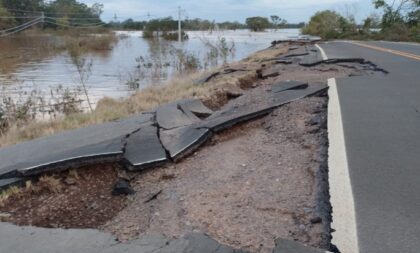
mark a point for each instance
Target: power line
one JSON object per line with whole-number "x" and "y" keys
{"x": 22, "y": 25}
{"x": 50, "y": 13}
{"x": 23, "y": 11}
{"x": 26, "y": 17}
{"x": 60, "y": 21}
{"x": 21, "y": 29}
{"x": 71, "y": 26}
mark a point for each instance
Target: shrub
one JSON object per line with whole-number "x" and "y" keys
{"x": 257, "y": 24}
{"x": 325, "y": 24}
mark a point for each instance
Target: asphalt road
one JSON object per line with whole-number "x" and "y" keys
{"x": 381, "y": 123}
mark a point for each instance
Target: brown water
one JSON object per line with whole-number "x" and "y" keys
{"x": 31, "y": 63}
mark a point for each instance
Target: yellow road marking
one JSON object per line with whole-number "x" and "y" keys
{"x": 396, "y": 52}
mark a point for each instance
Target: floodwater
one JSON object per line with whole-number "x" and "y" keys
{"x": 28, "y": 64}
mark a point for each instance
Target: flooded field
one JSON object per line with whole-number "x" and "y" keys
{"x": 32, "y": 64}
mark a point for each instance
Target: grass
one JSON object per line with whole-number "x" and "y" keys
{"x": 46, "y": 183}
{"x": 266, "y": 54}
{"x": 6, "y": 194}
{"x": 211, "y": 93}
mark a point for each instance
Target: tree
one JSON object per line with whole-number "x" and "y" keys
{"x": 6, "y": 23}
{"x": 75, "y": 13}
{"x": 372, "y": 21}
{"x": 257, "y": 24}
{"x": 28, "y": 8}
{"x": 398, "y": 12}
{"x": 326, "y": 24}
{"x": 277, "y": 22}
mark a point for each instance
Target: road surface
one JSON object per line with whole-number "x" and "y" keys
{"x": 381, "y": 128}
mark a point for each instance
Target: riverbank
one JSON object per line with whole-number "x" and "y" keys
{"x": 180, "y": 87}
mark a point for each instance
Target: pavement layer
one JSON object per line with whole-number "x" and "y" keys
{"x": 63, "y": 150}
{"x": 41, "y": 240}
{"x": 381, "y": 121}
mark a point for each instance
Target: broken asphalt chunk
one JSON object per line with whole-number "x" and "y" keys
{"x": 196, "y": 107}
{"x": 284, "y": 61}
{"x": 182, "y": 141}
{"x": 314, "y": 62}
{"x": 231, "y": 116}
{"x": 122, "y": 187}
{"x": 285, "y": 97}
{"x": 6, "y": 183}
{"x": 171, "y": 116}
{"x": 288, "y": 85}
{"x": 312, "y": 59}
{"x": 144, "y": 150}
{"x": 71, "y": 148}
{"x": 206, "y": 78}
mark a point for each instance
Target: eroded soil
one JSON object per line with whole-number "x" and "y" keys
{"x": 80, "y": 199}
{"x": 252, "y": 184}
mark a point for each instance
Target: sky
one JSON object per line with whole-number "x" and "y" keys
{"x": 293, "y": 11}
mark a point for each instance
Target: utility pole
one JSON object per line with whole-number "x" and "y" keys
{"x": 179, "y": 25}
{"x": 43, "y": 20}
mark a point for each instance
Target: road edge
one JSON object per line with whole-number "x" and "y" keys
{"x": 343, "y": 214}
{"x": 341, "y": 195}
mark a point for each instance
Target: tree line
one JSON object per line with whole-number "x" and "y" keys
{"x": 168, "y": 23}
{"x": 400, "y": 21}
{"x": 59, "y": 12}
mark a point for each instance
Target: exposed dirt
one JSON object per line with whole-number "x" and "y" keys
{"x": 68, "y": 200}
{"x": 254, "y": 183}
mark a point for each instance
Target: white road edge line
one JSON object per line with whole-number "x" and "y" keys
{"x": 323, "y": 54}
{"x": 341, "y": 194}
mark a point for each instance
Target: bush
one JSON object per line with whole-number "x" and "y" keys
{"x": 174, "y": 36}
{"x": 257, "y": 24}
{"x": 415, "y": 33}
{"x": 325, "y": 24}
{"x": 397, "y": 32}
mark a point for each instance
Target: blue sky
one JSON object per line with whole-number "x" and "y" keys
{"x": 231, "y": 10}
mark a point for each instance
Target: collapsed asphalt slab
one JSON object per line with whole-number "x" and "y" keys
{"x": 168, "y": 133}
{"x": 181, "y": 141}
{"x": 144, "y": 149}
{"x": 288, "y": 85}
{"x": 59, "y": 151}
{"x": 41, "y": 240}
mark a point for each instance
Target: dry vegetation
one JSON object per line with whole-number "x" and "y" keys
{"x": 177, "y": 88}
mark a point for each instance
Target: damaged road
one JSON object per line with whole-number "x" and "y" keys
{"x": 137, "y": 140}
{"x": 253, "y": 183}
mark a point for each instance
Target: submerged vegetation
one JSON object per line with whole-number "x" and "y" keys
{"x": 107, "y": 109}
